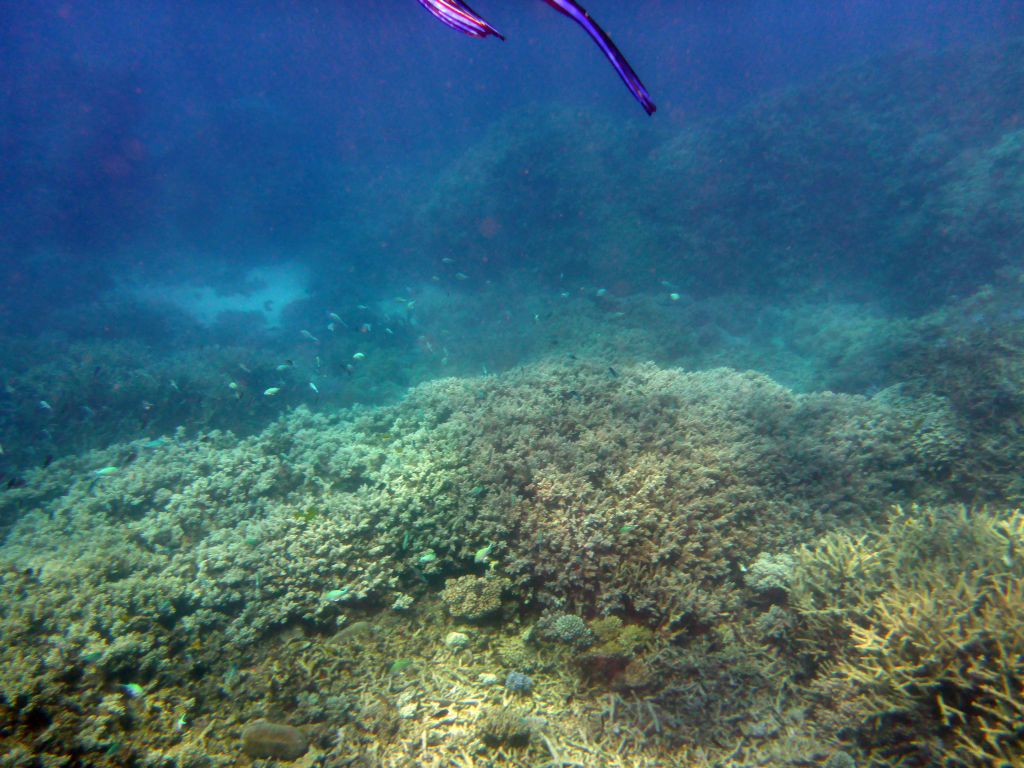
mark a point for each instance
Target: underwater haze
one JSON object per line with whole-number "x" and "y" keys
{"x": 410, "y": 384}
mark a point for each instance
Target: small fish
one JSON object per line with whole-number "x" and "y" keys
{"x": 244, "y": 368}
{"x": 307, "y": 335}
{"x": 601, "y": 292}
{"x": 317, "y": 362}
{"x": 132, "y": 690}
{"x": 483, "y": 554}
{"x": 674, "y": 296}
{"x": 358, "y": 356}
{"x": 45, "y": 406}
{"x": 285, "y": 365}
{"x": 335, "y": 317}
{"x": 389, "y": 332}
{"x": 461, "y": 276}
{"x": 105, "y": 471}
{"x": 365, "y": 328}
{"x": 447, "y": 260}
{"x": 314, "y": 388}
{"x": 330, "y": 327}
{"x": 271, "y": 391}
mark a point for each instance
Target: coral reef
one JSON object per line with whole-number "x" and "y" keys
{"x": 924, "y": 624}
{"x": 561, "y": 485}
{"x": 895, "y": 171}
{"x": 228, "y": 545}
{"x": 311, "y": 573}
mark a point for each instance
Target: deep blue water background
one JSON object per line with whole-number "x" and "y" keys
{"x": 330, "y": 202}
{"x": 160, "y": 136}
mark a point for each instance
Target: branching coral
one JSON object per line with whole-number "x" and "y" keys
{"x": 927, "y": 623}
{"x": 638, "y": 493}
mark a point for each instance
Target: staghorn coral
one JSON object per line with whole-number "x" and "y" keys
{"x": 926, "y": 623}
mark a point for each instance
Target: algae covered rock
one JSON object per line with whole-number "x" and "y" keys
{"x": 456, "y": 640}
{"x": 378, "y": 716}
{"x": 517, "y": 682}
{"x": 262, "y": 739}
{"x": 472, "y": 598}
{"x": 618, "y": 644}
{"x": 840, "y": 760}
{"x": 515, "y": 653}
{"x": 503, "y": 727}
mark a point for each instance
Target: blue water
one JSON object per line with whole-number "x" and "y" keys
{"x": 326, "y": 331}
{"x": 191, "y": 180}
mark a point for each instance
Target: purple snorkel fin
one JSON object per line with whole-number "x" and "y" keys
{"x": 573, "y": 10}
{"x": 462, "y": 18}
